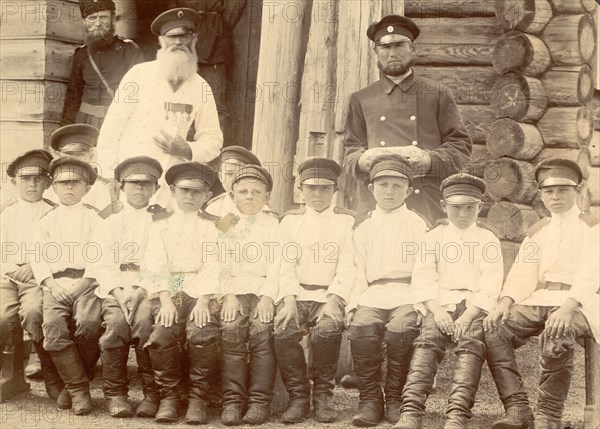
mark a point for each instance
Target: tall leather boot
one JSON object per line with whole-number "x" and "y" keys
{"x": 71, "y": 370}
{"x": 399, "y": 353}
{"x": 90, "y": 354}
{"x": 367, "y": 358}
{"x": 292, "y": 366}
{"x": 202, "y": 363}
{"x": 52, "y": 380}
{"x": 167, "y": 375}
{"x": 417, "y": 388}
{"x": 261, "y": 378}
{"x": 114, "y": 381}
{"x": 555, "y": 381}
{"x": 465, "y": 381}
{"x": 235, "y": 370}
{"x": 149, "y": 405}
{"x": 325, "y": 355}
{"x": 502, "y": 362}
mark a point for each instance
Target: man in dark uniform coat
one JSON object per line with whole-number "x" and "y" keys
{"x": 91, "y": 91}
{"x": 217, "y": 19}
{"x": 408, "y": 115}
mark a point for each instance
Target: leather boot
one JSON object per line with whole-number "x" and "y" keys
{"x": 167, "y": 375}
{"x": 202, "y": 362}
{"x": 261, "y": 378}
{"x": 366, "y": 354}
{"x": 555, "y": 381}
{"x": 71, "y": 370}
{"x": 114, "y": 381}
{"x": 149, "y": 405}
{"x": 502, "y": 362}
{"x": 52, "y": 380}
{"x": 456, "y": 422}
{"x": 90, "y": 354}
{"x": 235, "y": 370}
{"x": 325, "y": 355}
{"x": 545, "y": 422}
{"x": 292, "y": 366}
{"x": 399, "y": 352}
{"x": 419, "y": 381}
{"x": 465, "y": 381}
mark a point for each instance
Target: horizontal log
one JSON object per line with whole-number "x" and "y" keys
{"x": 514, "y": 139}
{"x": 571, "y": 39}
{"x": 566, "y": 127}
{"x": 594, "y": 147}
{"x": 572, "y": 6}
{"x": 581, "y": 157}
{"x": 521, "y": 98}
{"x": 510, "y": 179}
{"x": 469, "y": 85}
{"x": 479, "y": 120}
{"x": 529, "y": 16}
{"x": 510, "y": 221}
{"x": 36, "y": 59}
{"x": 448, "y": 8}
{"x": 594, "y": 185}
{"x": 569, "y": 85}
{"x": 32, "y": 100}
{"x": 443, "y": 42}
{"x": 20, "y": 136}
{"x": 57, "y": 19}
{"x": 522, "y": 53}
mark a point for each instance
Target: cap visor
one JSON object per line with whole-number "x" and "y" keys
{"x": 557, "y": 181}
{"x": 389, "y": 173}
{"x": 461, "y": 199}
{"x": 392, "y": 38}
{"x": 64, "y": 176}
{"x": 140, "y": 177}
{"x": 178, "y": 31}
{"x": 318, "y": 181}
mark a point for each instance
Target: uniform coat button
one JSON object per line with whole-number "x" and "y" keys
{"x": 382, "y": 143}
{"x": 414, "y": 142}
{"x": 417, "y": 191}
{"x": 412, "y": 118}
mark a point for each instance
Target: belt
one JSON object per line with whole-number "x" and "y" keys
{"x": 552, "y": 286}
{"x": 129, "y": 267}
{"x": 385, "y": 281}
{"x": 69, "y": 273}
{"x": 90, "y": 109}
{"x": 313, "y": 287}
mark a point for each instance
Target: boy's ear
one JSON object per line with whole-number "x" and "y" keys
{"x": 443, "y": 205}
{"x": 172, "y": 188}
{"x": 370, "y": 187}
{"x": 156, "y": 188}
{"x": 209, "y": 195}
{"x": 268, "y": 195}
{"x": 409, "y": 191}
{"x": 13, "y": 181}
{"x": 578, "y": 188}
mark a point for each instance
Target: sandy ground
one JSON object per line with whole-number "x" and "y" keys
{"x": 34, "y": 410}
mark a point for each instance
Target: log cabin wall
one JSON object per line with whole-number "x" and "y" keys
{"x": 37, "y": 40}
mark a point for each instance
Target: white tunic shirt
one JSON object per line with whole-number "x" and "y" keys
{"x": 564, "y": 250}
{"x": 317, "y": 255}
{"x": 64, "y": 235}
{"x": 248, "y": 255}
{"x": 181, "y": 255}
{"x": 144, "y": 105}
{"x": 385, "y": 247}
{"x": 123, "y": 238}
{"x": 19, "y": 222}
{"x": 459, "y": 264}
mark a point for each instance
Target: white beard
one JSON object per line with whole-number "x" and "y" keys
{"x": 176, "y": 66}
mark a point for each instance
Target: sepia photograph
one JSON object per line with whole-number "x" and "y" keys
{"x": 300, "y": 213}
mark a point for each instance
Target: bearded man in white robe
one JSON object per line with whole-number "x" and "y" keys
{"x": 159, "y": 102}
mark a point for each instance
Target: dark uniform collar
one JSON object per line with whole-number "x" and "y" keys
{"x": 388, "y": 84}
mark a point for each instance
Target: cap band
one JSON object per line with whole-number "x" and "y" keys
{"x": 69, "y": 172}
{"x": 557, "y": 181}
{"x": 191, "y": 183}
{"x": 319, "y": 181}
{"x": 462, "y": 199}
{"x": 31, "y": 170}
{"x": 393, "y": 38}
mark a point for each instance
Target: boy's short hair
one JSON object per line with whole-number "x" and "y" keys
{"x": 462, "y": 188}
{"x": 558, "y": 171}
{"x": 391, "y": 165}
